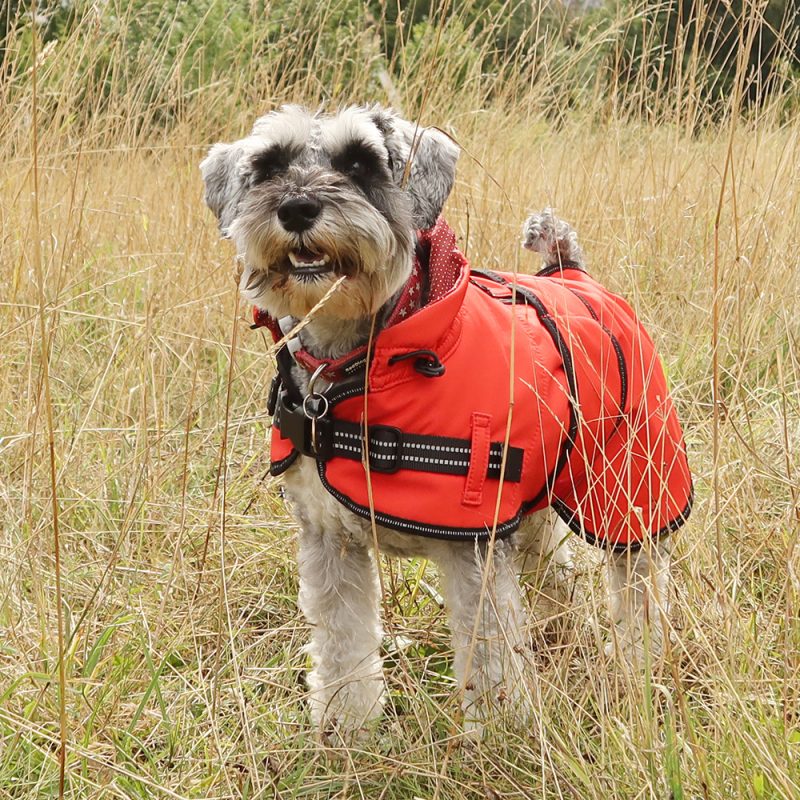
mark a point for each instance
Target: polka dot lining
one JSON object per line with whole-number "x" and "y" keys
{"x": 444, "y": 263}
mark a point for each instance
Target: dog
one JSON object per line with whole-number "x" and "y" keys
{"x": 338, "y": 216}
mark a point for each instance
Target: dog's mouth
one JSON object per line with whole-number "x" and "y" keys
{"x": 305, "y": 264}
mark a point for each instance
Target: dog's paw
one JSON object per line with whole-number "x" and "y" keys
{"x": 336, "y": 735}
{"x": 346, "y": 713}
{"x": 500, "y": 709}
{"x": 555, "y": 240}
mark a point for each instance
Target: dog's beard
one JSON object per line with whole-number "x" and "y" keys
{"x": 287, "y": 274}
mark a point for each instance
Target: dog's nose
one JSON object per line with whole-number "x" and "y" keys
{"x": 297, "y": 214}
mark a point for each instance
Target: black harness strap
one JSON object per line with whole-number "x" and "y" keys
{"x": 390, "y": 449}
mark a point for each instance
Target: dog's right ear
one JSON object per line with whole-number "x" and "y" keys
{"x": 226, "y": 180}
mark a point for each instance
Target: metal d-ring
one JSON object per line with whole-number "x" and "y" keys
{"x": 313, "y": 379}
{"x": 311, "y": 413}
{"x": 319, "y": 399}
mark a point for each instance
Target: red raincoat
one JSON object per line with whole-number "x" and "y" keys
{"x": 592, "y": 430}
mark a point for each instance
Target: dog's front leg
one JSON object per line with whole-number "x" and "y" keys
{"x": 488, "y": 629}
{"x": 638, "y": 585}
{"x": 340, "y": 597}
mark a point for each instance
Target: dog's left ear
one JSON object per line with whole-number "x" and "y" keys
{"x": 225, "y": 182}
{"x": 433, "y": 157}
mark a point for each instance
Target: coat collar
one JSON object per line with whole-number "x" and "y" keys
{"x": 438, "y": 279}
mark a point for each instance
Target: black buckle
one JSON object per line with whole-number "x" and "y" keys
{"x": 312, "y": 438}
{"x": 272, "y": 397}
{"x": 380, "y": 461}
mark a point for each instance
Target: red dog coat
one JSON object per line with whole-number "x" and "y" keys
{"x": 555, "y": 362}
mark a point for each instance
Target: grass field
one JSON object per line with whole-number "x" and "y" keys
{"x": 133, "y": 387}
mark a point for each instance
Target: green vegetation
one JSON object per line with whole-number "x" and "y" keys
{"x": 644, "y": 56}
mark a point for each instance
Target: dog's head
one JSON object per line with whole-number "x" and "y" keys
{"x": 309, "y": 197}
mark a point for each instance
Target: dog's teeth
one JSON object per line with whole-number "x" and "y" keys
{"x": 303, "y": 263}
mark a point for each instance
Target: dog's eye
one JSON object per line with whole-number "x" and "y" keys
{"x": 358, "y": 161}
{"x": 269, "y": 164}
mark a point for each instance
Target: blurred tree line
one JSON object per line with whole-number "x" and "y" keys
{"x": 646, "y": 46}
{"x": 714, "y": 42}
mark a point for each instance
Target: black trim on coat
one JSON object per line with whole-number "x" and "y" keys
{"x": 418, "y": 528}
{"x": 554, "y": 269}
{"x": 281, "y": 465}
{"x": 572, "y": 520}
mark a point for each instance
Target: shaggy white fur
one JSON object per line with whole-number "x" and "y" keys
{"x": 339, "y": 595}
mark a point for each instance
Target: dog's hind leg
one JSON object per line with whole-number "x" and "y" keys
{"x": 545, "y": 560}
{"x": 638, "y": 586}
{"x": 340, "y": 597}
{"x": 488, "y": 629}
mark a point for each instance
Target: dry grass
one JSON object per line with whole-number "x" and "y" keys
{"x": 182, "y": 642}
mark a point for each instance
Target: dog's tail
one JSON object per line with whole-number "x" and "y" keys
{"x": 555, "y": 240}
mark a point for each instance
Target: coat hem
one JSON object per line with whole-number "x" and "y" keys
{"x": 418, "y": 528}
{"x": 279, "y": 467}
{"x": 572, "y": 520}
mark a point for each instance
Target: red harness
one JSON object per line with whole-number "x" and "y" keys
{"x": 592, "y": 430}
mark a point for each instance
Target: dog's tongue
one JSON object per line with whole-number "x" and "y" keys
{"x": 305, "y": 256}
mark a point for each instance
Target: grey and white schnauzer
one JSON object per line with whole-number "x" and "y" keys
{"x": 308, "y": 198}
